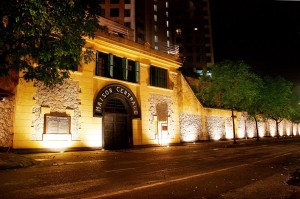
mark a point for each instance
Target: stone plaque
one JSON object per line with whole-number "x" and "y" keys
{"x": 57, "y": 123}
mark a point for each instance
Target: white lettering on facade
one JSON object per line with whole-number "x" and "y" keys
{"x": 116, "y": 89}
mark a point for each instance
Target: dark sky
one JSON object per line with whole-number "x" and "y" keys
{"x": 264, "y": 33}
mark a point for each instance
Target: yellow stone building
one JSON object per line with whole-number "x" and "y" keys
{"x": 129, "y": 95}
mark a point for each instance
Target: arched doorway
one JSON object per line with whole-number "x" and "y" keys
{"x": 117, "y": 124}
{"x": 117, "y": 105}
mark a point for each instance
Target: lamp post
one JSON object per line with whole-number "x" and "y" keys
{"x": 233, "y": 126}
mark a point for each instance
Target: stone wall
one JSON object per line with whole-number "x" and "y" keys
{"x": 161, "y": 106}
{"x": 61, "y": 99}
{"x": 6, "y": 122}
{"x": 190, "y": 127}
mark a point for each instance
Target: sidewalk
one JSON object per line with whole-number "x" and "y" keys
{"x": 13, "y": 160}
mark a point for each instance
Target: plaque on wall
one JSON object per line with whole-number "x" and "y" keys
{"x": 57, "y": 123}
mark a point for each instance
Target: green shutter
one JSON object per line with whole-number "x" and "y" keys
{"x": 111, "y": 65}
{"x": 97, "y": 64}
{"x": 125, "y": 69}
{"x": 137, "y": 72}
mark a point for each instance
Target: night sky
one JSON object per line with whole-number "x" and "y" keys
{"x": 264, "y": 33}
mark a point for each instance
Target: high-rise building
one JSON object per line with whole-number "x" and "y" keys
{"x": 122, "y": 12}
{"x": 191, "y": 27}
{"x": 153, "y": 25}
{"x": 172, "y": 26}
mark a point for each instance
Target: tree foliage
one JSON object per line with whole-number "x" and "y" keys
{"x": 277, "y": 98}
{"x": 232, "y": 86}
{"x": 45, "y": 38}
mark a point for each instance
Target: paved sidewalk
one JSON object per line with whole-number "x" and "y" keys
{"x": 15, "y": 159}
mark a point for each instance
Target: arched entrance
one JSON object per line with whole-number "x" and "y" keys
{"x": 117, "y": 125}
{"x": 117, "y": 106}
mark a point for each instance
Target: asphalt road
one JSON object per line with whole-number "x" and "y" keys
{"x": 192, "y": 171}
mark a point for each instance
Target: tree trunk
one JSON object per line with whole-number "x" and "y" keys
{"x": 257, "y": 135}
{"x": 277, "y": 131}
{"x": 233, "y": 126}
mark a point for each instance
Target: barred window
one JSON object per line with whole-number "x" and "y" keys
{"x": 158, "y": 77}
{"x": 111, "y": 66}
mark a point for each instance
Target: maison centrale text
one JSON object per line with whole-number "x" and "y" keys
{"x": 116, "y": 91}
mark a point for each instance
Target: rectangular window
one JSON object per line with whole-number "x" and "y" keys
{"x": 102, "y": 64}
{"x": 127, "y": 2}
{"x": 132, "y": 71}
{"x": 114, "y": 1}
{"x": 127, "y": 13}
{"x": 117, "y": 65}
{"x": 108, "y": 65}
{"x": 114, "y": 12}
{"x": 158, "y": 77}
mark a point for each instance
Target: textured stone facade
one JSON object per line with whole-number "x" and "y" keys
{"x": 215, "y": 127}
{"x": 59, "y": 99}
{"x": 190, "y": 127}
{"x": 6, "y": 122}
{"x": 161, "y": 106}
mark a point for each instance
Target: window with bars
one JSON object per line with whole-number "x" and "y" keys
{"x": 115, "y": 106}
{"x": 158, "y": 77}
{"x": 111, "y": 66}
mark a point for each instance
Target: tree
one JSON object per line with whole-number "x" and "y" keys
{"x": 295, "y": 103}
{"x": 255, "y": 107}
{"x": 232, "y": 86}
{"x": 276, "y": 100}
{"x": 45, "y": 38}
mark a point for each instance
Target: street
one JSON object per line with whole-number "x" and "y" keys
{"x": 190, "y": 171}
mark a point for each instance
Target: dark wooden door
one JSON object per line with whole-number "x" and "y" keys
{"x": 117, "y": 131}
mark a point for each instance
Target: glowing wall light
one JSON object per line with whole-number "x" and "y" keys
{"x": 280, "y": 128}
{"x": 261, "y": 129}
{"x": 272, "y": 127}
{"x": 215, "y": 127}
{"x": 217, "y": 136}
{"x": 241, "y": 128}
{"x": 94, "y": 141}
{"x": 56, "y": 142}
{"x": 190, "y": 135}
{"x": 250, "y": 128}
{"x": 228, "y": 129}
{"x": 190, "y": 126}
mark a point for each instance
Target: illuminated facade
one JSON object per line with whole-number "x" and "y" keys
{"x": 129, "y": 95}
